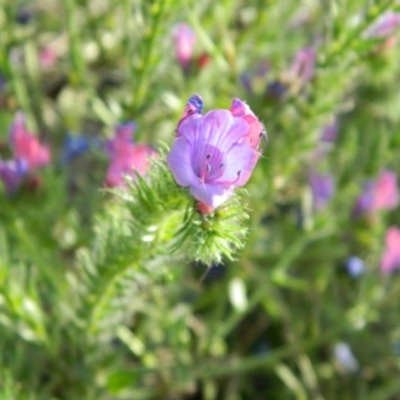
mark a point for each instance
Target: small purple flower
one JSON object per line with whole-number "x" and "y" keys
{"x": 2, "y": 82}
{"x": 391, "y": 257}
{"x": 379, "y": 194}
{"x": 211, "y": 155}
{"x": 12, "y": 173}
{"x": 329, "y": 132}
{"x": 383, "y": 26}
{"x": 24, "y": 15}
{"x": 322, "y": 188}
{"x": 250, "y": 78}
{"x": 303, "y": 64}
{"x": 345, "y": 357}
{"x": 355, "y": 266}
{"x": 74, "y": 146}
{"x": 185, "y": 39}
{"x": 276, "y": 90}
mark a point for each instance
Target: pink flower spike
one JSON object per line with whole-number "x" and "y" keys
{"x": 185, "y": 39}
{"x": 391, "y": 257}
{"x": 26, "y": 145}
{"x": 303, "y": 64}
{"x": 240, "y": 109}
{"x": 123, "y": 134}
{"x": 129, "y": 159}
{"x": 211, "y": 157}
{"x": 386, "y": 194}
{"x": 383, "y": 26}
{"x": 379, "y": 194}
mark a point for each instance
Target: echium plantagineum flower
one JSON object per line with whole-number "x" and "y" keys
{"x": 378, "y": 194}
{"x": 214, "y": 153}
{"x": 303, "y": 66}
{"x": 185, "y": 39}
{"x": 384, "y": 25}
{"x": 126, "y": 157}
{"x": 391, "y": 257}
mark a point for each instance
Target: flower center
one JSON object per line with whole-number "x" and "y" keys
{"x": 211, "y": 171}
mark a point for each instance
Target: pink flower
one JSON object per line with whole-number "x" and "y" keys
{"x": 26, "y": 146}
{"x": 185, "y": 39}
{"x": 123, "y": 136}
{"x": 391, "y": 257}
{"x": 126, "y": 157}
{"x": 213, "y": 153}
{"x": 47, "y": 57}
{"x": 303, "y": 64}
{"x": 379, "y": 194}
{"x": 256, "y": 132}
{"x": 383, "y": 26}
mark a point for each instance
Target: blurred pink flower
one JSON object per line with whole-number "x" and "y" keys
{"x": 185, "y": 39}
{"x": 26, "y": 146}
{"x": 384, "y": 25}
{"x": 379, "y": 194}
{"x": 47, "y": 57}
{"x": 304, "y": 64}
{"x": 391, "y": 257}
{"x": 126, "y": 157}
{"x": 122, "y": 136}
{"x": 212, "y": 154}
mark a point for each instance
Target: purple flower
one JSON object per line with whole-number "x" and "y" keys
{"x": 391, "y": 257}
{"x": 383, "y": 26}
{"x": 345, "y": 357}
{"x": 74, "y": 146}
{"x": 322, "y": 188}
{"x": 276, "y": 90}
{"x": 212, "y": 154}
{"x": 355, "y": 266}
{"x": 379, "y": 194}
{"x": 254, "y": 76}
{"x": 329, "y": 132}
{"x": 12, "y": 173}
{"x": 185, "y": 39}
{"x": 303, "y": 64}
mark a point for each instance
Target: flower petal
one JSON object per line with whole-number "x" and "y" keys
{"x": 179, "y": 161}
{"x": 212, "y": 195}
{"x": 241, "y": 157}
